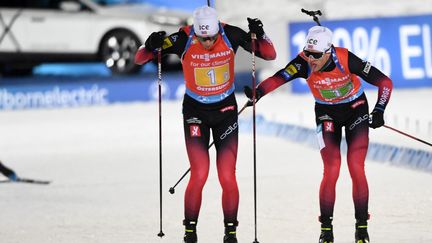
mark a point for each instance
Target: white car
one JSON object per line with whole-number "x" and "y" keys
{"x": 40, "y": 31}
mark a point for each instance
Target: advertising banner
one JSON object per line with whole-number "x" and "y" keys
{"x": 69, "y": 91}
{"x": 75, "y": 92}
{"x": 399, "y": 46}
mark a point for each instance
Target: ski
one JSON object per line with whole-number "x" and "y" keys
{"x": 27, "y": 180}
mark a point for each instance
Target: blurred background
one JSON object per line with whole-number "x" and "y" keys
{"x": 69, "y": 53}
{"x": 76, "y": 110}
{"x": 92, "y": 42}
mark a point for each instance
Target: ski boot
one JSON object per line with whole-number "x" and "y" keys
{"x": 190, "y": 232}
{"x": 230, "y": 232}
{"x": 326, "y": 235}
{"x": 361, "y": 233}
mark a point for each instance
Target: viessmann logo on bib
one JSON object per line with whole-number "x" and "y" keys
{"x": 207, "y": 56}
{"x": 329, "y": 81}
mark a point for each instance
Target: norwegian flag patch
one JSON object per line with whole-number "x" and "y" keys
{"x": 328, "y": 126}
{"x": 195, "y": 131}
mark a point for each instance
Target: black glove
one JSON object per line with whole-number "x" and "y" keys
{"x": 9, "y": 173}
{"x": 249, "y": 93}
{"x": 256, "y": 26}
{"x": 155, "y": 40}
{"x": 376, "y": 119}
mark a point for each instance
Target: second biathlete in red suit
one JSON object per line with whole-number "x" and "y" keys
{"x": 210, "y": 105}
{"x": 339, "y": 103}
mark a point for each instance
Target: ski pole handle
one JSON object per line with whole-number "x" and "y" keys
{"x": 254, "y": 38}
{"x": 159, "y": 65}
{"x": 313, "y": 14}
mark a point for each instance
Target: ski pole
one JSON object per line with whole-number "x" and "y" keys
{"x": 27, "y": 180}
{"x": 410, "y": 136}
{"x": 159, "y": 58}
{"x": 253, "y": 37}
{"x": 172, "y": 189}
{"x": 313, "y": 14}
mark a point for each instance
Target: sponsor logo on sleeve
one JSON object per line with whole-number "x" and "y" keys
{"x": 173, "y": 38}
{"x": 291, "y": 70}
{"x": 167, "y": 43}
{"x": 367, "y": 68}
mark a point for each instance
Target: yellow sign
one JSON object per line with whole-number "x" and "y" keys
{"x": 212, "y": 76}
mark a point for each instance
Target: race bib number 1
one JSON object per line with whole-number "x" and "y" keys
{"x": 212, "y": 76}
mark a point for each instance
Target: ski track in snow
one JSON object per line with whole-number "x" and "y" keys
{"x": 104, "y": 162}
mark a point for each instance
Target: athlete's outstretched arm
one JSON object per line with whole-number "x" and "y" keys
{"x": 296, "y": 68}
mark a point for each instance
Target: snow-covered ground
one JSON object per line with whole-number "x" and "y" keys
{"x": 104, "y": 162}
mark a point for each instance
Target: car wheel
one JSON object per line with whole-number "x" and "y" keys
{"x": 171, "y": 63}
{"x": 118, "y": 50}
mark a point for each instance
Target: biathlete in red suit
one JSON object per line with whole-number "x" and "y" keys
{"x": 207, "y": 50}
{"x": 332, "y": 75}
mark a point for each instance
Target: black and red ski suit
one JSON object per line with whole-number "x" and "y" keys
{"x": 339, "y": 102}
{"x": 210, "y": 105}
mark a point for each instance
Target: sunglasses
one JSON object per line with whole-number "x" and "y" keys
{"x": 204, "y": 39}
{"x": 314, "y": 55}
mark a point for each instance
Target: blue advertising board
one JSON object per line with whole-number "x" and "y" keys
{"x": 44, "y": 91}
{"x": 62, "y": 92}
{"x": 399, "y": 46}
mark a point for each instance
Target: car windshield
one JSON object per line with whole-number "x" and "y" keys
{"x": 116, "y": 2}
